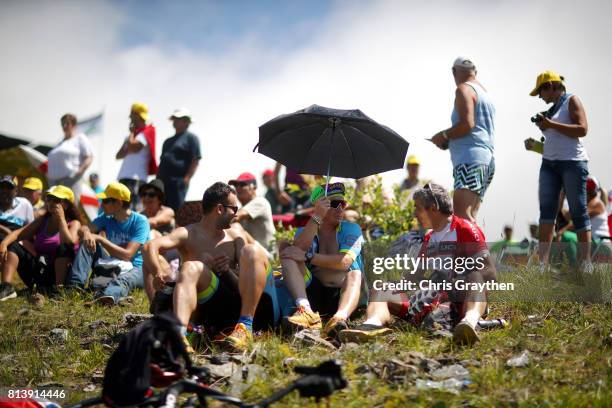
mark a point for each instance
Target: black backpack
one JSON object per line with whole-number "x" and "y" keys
{"x": 155, "y": 343}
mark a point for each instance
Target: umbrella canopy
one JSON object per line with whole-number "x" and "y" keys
{"x": 336, "y": 142}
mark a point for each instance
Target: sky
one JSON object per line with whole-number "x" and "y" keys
{"x": 237, "y": 64}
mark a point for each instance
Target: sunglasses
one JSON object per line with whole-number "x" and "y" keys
{"x": 337, "y": 204}
{"x": 428, "y": 187}
{"x": 108, "y": 200}
{"x": 150, "y": 194}
{"x": 234, "y": 208}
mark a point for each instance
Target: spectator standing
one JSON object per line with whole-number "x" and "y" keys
{"x": 68, "y": 161}
{"x": 179, "y": 159}
{"x": 564, "y": 164}
{"x": 137, "y": 152}
{"x": 412, "y": 182}
{"x": 470, "y": 140}
{"x": 94, "y": 183}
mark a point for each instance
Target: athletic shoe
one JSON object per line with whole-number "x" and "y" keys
{"x": 7, "y": 291}
{"x": 240, "y": 338}
{"x": 105, "y": 300}
{"x": 363, "y": 333}
{"x": 333, "y": 327}
{"x": 305, "y": 319}
{"x": 465, "y": 334}
{"x": 187, "y": 345}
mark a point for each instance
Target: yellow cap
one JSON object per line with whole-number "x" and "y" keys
{"x": 544, "y": 78}
{"x": 412, "y": 159}
{"x": 141, "y": 110}
{"x": 117, "y": 191}
{"x": 62, "y": 192}
{"x": 33, "y": 183}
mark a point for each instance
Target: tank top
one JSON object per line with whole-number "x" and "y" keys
{"x": 558, "y": 146}
{"x": 599, "y": 225}
{"x": 47, "y": 245}
{"x": 476, "y": 147}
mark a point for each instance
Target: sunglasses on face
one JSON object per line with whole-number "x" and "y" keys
{"x": 150, "y": 194}
{"x": 108, "y": 200}
{"x": 234, "y": 208}
{"x": 337, "y": 204}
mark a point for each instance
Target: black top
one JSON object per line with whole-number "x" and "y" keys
{"x": 177, "y": 154}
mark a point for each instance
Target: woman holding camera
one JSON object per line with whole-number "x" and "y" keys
{"x": 564, "y": 163}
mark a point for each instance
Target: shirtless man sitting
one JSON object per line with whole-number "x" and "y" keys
{"x": 322, "y": 269}
{"x": 221, "y": 275}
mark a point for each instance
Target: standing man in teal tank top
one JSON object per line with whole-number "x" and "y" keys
{"x": 470, "y": 140}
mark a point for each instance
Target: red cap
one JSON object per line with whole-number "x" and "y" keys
{"x": 243, "y": 178}
{"x": 592, "y": 184}
{"x": 268, "y": 172}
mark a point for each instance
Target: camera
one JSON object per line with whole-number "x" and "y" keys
{"x": 537, "y": 117}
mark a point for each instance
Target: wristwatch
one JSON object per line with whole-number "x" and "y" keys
{"x": 308, "y": 256}
{"x": 316, "y": 219}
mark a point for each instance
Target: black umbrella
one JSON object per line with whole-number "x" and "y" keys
{"x": 336, "y": 142}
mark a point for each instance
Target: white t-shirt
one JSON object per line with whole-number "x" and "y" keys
{"x": 135, "y": 166}
{"x": 260, "y": 225}
{"x": 19, "y": 214}
{"x": 66, "y": 158}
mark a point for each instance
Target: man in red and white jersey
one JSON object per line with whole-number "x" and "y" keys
{"x": 454, "y": 255}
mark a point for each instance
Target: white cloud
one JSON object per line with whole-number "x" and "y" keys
{"x": 390, "y": 59}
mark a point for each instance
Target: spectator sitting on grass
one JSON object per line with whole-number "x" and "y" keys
{"x": 322, "y": 269}
{"x": 114, "y": 238}
{"x": 256, "y": 213}
{"x": 160, "y": 217}
{"x": 451, "y": 237}
{"x": 222, "y": 278}
{"x": 55, "y": 236}
{"x": 32, "y": 190}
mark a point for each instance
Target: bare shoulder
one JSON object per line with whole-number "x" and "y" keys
{"x": 465, "y": 90}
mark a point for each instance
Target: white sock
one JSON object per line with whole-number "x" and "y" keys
{"x": 304, "y": 303}
{"x": 472, "y": 317}
{"x": 341, "y": 314}
{"x": 375, "y": 321}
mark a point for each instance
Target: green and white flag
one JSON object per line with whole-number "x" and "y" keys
{"x": 91, "y": 126}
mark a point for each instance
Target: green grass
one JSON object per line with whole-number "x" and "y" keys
{"x": 570, "y": 343}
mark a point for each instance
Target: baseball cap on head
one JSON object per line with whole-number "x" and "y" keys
{"x": 245, "y": 177}
{"x": 117, "y": 191}
{"x": 156, "y": 184}
{"x": 33, "y": 183}
{"x": 61, "y": 192}
{"x": 413, "y": 159}
{"x": 464, "y": 62}
{"x": 592, "y": 184}
{"x": 181, "y": 113}
{"x": 544, "y": 78}
{"x": 268, "y": 173}
{"x": 141, "y": 110}
{"x": 334, "y": 191}
{"x": 8, "y": 180}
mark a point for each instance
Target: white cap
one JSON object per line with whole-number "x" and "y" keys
{"x": 181, "y": 113}
{"x": 464, "y": 62}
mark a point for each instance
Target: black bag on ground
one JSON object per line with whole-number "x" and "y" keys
{"x": 102, "y": 275}
{"x": 127, "y": 378}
